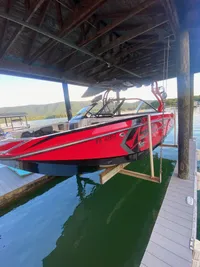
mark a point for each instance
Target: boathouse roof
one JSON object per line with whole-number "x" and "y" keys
{"x": 90, "y": 41}
{"x": 12, "y": 115}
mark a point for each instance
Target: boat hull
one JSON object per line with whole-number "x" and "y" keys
{"x": 114, "y": 142}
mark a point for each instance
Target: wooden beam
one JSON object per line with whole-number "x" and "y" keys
{"x": 27, "y": 4}
{"x": 135, "y": 64}
{"x": 143, "y": 72}
{"x": 118, "y": 101}
{"x": 151, "y": 41}
{"x": 171, "y": 12}
{"x": 109, "y": 172}
{"x": 16, "y": 68}
{"x": 128, "y": 36}
{"x": 115, "y": 15}
{"x": 6, "y": 23}
{"x": 131, "y": 35}
{"x": 140, "y": 176}
{"x": 59, "y": 14}
{"x": 109, "y": 27}
{"x": 18, "y": 32}
{"x": 191, "y": 104}
{"x": 169, "y": 145}
{"x": 120, "y": 55}
{"x": 129, "y": 51}
{"x": 35, "y": 34}
{"x": 157, "y": 67}
{"x": 62, "y": 41}
{"x": 67, "y": 100}
{"x": 183, "y": 80}
{"x": 81, "y": 13}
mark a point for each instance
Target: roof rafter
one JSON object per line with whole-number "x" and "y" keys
{"x": 35, "y": 34}
{"x": 59, "y": 14}
{"x": 27, "y": 4}
{"x": 172, "y": 14}
{"x": 118, "y": 14}
{"x": 155, "y": 68}
{"x": 60, "y": 40}
{"x": 129, "y": 51}
{"x": 129, "y": 64}
{"x": 18, "y": 32}
{"x": 128, "y": 36}
{"x": 133, "y": 34}
{"x": 6, "y": 22}
{"x": 141, "y": 59}
{"x": 111, "y": 26}
{"x": 80, "y": 14}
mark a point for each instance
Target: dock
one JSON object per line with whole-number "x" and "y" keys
{"x": 173, "y": 238}
{"x": 115, "y": 45}
{"x": 13, "y": 186}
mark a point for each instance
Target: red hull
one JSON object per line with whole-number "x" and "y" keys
{"x": 104, "y": 141}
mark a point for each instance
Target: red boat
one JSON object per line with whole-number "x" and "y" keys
{"x": 96, "y": 137}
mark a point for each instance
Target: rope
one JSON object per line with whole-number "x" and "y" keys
{"x": 165, "y": 77}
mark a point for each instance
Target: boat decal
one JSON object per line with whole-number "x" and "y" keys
{"x": 51, "y": 136}
{"x": 64, "y": 145}
{"x": 123, "y": 144}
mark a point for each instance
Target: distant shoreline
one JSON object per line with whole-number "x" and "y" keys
{"x": 57, "y": 110}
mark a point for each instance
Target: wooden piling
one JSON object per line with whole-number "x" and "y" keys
{"x": 118, "y": 97}
{"x": 191, "y": 103}
{"x": 183, "y": 80}
{"x": 67, "y": 100}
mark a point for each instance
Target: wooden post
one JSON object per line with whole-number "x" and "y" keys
{"x": 12, "y": 123}
{"x": 20, "y": 119}
{"x": 150, "y": 146}
{"x": 191, "y": 104}
{"x": 67, "y": 100}
{"x": 26, "y": 121}
{"x": 183, "y": 80}
{"x": 6, "y": 122}
{"x": 118, "y": 97}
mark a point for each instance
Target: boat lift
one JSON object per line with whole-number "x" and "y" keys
{"x": 109, "y": 172}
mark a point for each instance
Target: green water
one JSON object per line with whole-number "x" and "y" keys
{"x": 76, "y": 222}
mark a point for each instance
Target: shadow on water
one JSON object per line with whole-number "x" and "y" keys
{"x": 77, "y": 222}
{"x": 111, "y": 226}
{"x": 32, "y": 195}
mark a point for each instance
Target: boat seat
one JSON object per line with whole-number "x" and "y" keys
{"x": 40, "y": 132}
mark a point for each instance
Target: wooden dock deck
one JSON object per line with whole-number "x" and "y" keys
{"x": 172, "y": 239}
{"x": 12, "y": 186}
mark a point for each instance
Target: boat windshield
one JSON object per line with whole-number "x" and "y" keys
{"x": 84, "y": 110}
{"x": 113, "y": 106}
{"x": 90, "y": 110}
{"x": 110, "y": 107}
{"x": 132, "y": 105}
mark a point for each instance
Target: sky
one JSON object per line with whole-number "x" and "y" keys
{"x": 16, "y": 91}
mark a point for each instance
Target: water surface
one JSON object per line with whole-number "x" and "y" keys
{"x": 76, "y": 222}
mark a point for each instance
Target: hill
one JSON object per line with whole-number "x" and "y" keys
{"x": 55, "y": 110}
{"x": 45, "y": 111}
